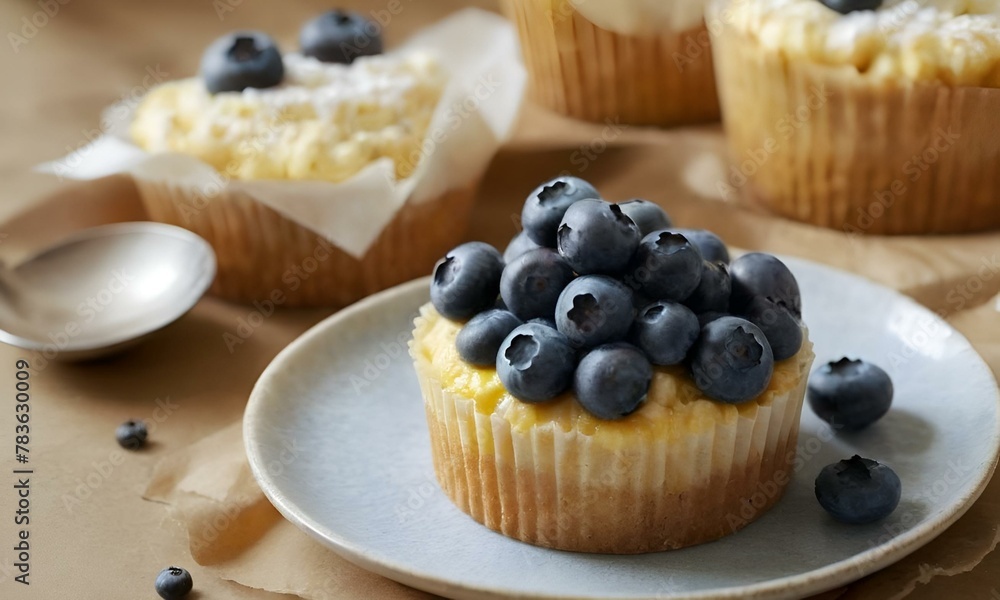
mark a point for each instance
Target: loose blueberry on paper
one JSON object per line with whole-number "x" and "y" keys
{"x": 340, "y": 36}
{"x": 132, "y": 434}
{"x": 246, "y": 59}
{"x": 851, "y": 394}
{"x": 858, "y": 490}
{"x": 173, "y": 583}
{"x": 587, "y": 300}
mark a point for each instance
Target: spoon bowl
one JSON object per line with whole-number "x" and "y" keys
{"x": 103, "y": 289}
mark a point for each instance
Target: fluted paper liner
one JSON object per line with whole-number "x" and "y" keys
{"x": 572, "y": 491}
{"x": 581, "y": 70}
{"x": 264, "y": 257}
{"x": 855, "y": 154}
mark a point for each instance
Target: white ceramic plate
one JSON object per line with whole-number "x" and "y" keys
{"x": 363, "y": 483}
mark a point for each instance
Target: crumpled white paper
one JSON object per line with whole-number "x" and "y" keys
{"x": 479, "y": 105}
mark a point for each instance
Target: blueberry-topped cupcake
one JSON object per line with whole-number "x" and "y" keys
{"x": 612, "y": 384}
{"x": 288, "y": 121}
{"x": 868, "y": 116}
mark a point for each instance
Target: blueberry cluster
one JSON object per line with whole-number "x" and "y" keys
{"x": 251, "y": 59}
{"x": 593, "y": 294}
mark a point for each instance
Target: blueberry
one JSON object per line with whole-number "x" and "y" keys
{"x": 611, "y": 381}
{"x": 707, "y": 317}
{"x": 647, "y": 216}
{"x": 782, "y": 328}
{"x": 759, "y": 274}
{"x": 530, "y": 286}
{"x": 732, "y": 361}
{"x": 665, "y": 331}
{"x": 851, "y": 394}
{"x": 594, "y": 310}
{"x": 666, "y": 266}
{"x": 711, "y": 246}
{"x": 858, "y": 490}
{"x": 479, "y": 341}
{"x": 466, "y": 281}
{"x": 246, "y": 59}
{"x": 518, "y": 245}
{"x": 847, "y": 6}
{"x": 545, "y": 321}
{"x": 132, "y": 434}
{"x": 546, "y": 205}
{"x": 536, "y": 363}
{"x": 340, "y": 36}
{"x": 714, "y": 289}
{"x": 173, "y": 583}
{"x": 597, "y": 238}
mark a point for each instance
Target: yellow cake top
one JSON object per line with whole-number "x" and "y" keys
{"x": 324, "y": 122}
{"x": 673, "y": 403}
{"x": 954, "y": 42}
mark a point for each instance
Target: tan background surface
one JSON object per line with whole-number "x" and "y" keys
{"x": 112, "y": 543}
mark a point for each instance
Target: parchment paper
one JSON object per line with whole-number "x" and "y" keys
{"x": 475, "y": 115}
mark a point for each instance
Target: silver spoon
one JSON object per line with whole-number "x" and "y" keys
{"x": 103, "y": 289}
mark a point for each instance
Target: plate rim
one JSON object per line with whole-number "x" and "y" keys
{"x": 809, "y": 582}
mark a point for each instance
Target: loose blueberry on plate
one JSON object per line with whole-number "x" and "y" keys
{"x": 732, "y": 360}
{"x": 711, "y": 246}
{"x": 647, "y": 216}
{"x": 132, "y": 434}
{"x": 848, "y": 6}
{"x": 611, "y": 381}
{"x": 759, "y": 274}
{"x": 479, "y": 341}
{"x": 340, "y": 36}
{"x": 531, "y": 284}
{"x": 596, "y": 237}
{"x": 714, "y": 289}
{"x": 535, "y": 363}
{"x": 782, "y": 328}
{"x": 246, "y": 59}
{"x": 594, "y": 310}
{"x": 858, "y": 490}
{"x": 546, "y": 205}
{"x": 173, "y": 583}
{"x": 466, "y": 281}
{"x": 666, "y": 266}
{"x": 518, "y": 245}
{"x": 665, "y": 331}
{"x": 851, "y": 394}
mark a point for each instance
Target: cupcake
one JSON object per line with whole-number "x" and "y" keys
{"x": 645, "y": 62}
{"x": 866, "y": 116}
{"x": 629, "y": 391}
{"x": 338, "y": 119}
